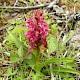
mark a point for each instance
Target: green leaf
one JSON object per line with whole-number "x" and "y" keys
{"x": 21, "y": 51}
{"x": 31, "y": 1}
{"x": 52, "y": 43}
{"x": 1, "y": 49}
{"x": 48, "y": 21}
{"x": 17, "y": 30}
{"x": 10, "y": 72}
{"x": 7, "y": 53}
{"x": 71, "y": 65}
{"x": 68, "y": 70}
{"x": 18, "y": 22}
{"x": 68, "y": 37}
{"x": 58, "y": 60}
{"x": 55, "y": 61}
{"x": 32, "y": 60}
{"x": 14, "y": 57}
{"x": 37, "y": 76}
{"x": 54, "y": 27}
{"x": 17, "y": 41}
{"x": 1, "y": 79}
{"x": 13, "y": 22}
{"x": 10, "y": 27}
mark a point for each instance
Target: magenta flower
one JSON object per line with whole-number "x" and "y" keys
{"x": 38, "y": 30}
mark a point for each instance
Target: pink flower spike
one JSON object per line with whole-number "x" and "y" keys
{"x": 38, "y": 30}
{"x": 30, "y": 23}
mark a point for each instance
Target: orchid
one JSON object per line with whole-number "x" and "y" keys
{"x": 38, "y": 30}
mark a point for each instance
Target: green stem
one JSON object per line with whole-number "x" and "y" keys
{"x": 37, "y": 55}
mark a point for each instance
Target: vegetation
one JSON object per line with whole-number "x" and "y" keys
{"x": 36, "y": 45}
